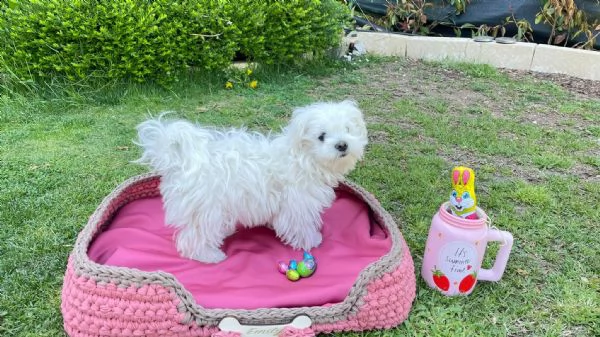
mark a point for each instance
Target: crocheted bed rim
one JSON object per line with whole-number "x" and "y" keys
{"x": 145, "y": 186}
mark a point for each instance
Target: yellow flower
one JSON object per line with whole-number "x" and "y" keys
{"x": 249, "y": 72}
{"x": 228, "y": 85}
{"x": 253, "y": 84}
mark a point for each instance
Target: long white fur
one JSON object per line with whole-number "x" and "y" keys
{"x": 213, "y": 179}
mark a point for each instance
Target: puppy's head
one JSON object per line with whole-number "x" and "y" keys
{"x": 333, "y": 134}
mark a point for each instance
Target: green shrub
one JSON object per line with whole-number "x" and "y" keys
{"x": 281, "y": 31}
{"x": 157, "y": 39}
{"x": 138, "y": 39}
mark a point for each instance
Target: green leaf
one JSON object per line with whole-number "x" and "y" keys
{"x": 538, "y": 19}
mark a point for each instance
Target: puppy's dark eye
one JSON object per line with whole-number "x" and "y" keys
{"x": 322, "y": 137}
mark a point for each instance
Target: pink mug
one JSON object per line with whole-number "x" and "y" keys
{"x": 455, "y": 249}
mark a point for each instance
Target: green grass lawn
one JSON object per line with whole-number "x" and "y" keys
{"x": 535, "y": 149}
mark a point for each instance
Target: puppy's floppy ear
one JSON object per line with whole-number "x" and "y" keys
{"x": 350, "y": 103}
{"x": 351, "y": 106}
{"x": 298, "y": 126}
{"x": 356, "y": 116}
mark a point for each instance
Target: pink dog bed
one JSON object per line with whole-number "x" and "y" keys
{"x": 125, "y": 276}
{"x": 248, "y": 279}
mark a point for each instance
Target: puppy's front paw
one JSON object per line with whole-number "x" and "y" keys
{"x": 208, "y": 255}
{"x": 311, "y": 240}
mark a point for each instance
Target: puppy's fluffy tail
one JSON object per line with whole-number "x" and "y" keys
{"x": 172, "y": 145}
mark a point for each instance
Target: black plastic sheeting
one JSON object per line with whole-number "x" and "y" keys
{"x": 488, "y": 12}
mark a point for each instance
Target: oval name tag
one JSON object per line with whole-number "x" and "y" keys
{"x": 231, "y": 324}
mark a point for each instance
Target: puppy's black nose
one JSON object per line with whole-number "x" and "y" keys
{"x": 341, "y": 146}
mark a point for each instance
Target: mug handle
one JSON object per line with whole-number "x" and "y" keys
{"x": 495, "y": 274}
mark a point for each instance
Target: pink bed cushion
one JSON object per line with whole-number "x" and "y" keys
{"x": 248, "y": 279}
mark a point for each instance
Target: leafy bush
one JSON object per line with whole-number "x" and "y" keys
{"x": 279, "y": 31}
{"x": 136, "y": 39}
{"x": 155, "y": 39}
{"x": 561, "y": 22}
{"x": 567, "y": 22}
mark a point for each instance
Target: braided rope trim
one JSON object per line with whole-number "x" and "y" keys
{"x": 144, "y": 186}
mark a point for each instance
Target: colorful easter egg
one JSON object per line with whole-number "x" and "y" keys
{"x": 310, "y": 264}
{"x": 292, "y": 275}
{"x": 282, "y": 267}
{"x": 293, "y": 264}
{"x": 303, "y": 269}
{"x": 307, "y": 256}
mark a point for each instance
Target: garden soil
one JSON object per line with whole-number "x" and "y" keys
{"x": 461, "y": 90}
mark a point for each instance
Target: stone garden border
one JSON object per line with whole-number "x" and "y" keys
{"x": 579, "y": 63}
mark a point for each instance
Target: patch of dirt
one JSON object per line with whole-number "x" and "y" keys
{"x": 379, "y": 137}
{"x": 527, "y": 173}
{"x": 415, "y": 80}
{"x": 450, "y": 91}
{"x": 408, "y": 79}
{"x": 578, "y": 86}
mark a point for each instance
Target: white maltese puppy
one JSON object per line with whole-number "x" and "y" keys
{"x": 213, "y": 180}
